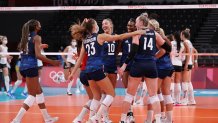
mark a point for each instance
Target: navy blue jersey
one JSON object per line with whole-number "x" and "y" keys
{"x": 126, "y": 47}
{"x": 147, "y": 47}
{"x": 109, "y": 53}
{"x": 94, "y": 52}
{"x": 28, "y": 58}
{"x": 164, "y": 62}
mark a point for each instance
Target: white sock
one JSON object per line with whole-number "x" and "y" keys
{"x": 123, "y": 117}
{"x": 7, "y": 84}
{"x": 162, "y": 114}
{"x": 25, "y": 89}
{"x": 169, "y": 116}
{"x": 191, "y": 92}
{"x": 16, "y": 84}
{"x": 149, "y": 115}
{"x": 102, "y": 97}
{"x": 84, "y": 110}
{"x": 172, "y": 86}
{"x": 78, "y": 84}
{"x": 94, "y": 107}
{"x": 157, "y": 118}
{"x": 104, "y": 106}
{"x": 185, "y": 90}
{"x": 20, "y": 114}
{"x": 70, "y": 84}
{"x": 45, "y": 114}
{"x": 177, "y": 92}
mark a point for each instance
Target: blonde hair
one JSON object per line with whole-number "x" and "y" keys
{"x": 154, "y": 23}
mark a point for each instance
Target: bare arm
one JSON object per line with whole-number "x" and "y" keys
{"x": 107, "y": 37}
{"x": 188, "y": 53}
{"x": 37, "y": 42}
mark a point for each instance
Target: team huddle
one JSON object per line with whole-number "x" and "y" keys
{"x": 164, "y": 63}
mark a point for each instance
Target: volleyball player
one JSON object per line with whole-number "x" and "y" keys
{"x": 3, "y": 61}
{"x": 125, "y": 48}
{"x": 30, "y": 46}
{"x": 165, "y": 71}
{"x": 176, "y": 58}
{"x": 143, "y": 51}
{"x": 69, "y": 63}
{"x": 187, "y": 66}
{"x": 93, "y": 46}
{"x": 18, "y": 82}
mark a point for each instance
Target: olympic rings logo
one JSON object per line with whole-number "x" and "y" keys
{"x": 57, "y": 77}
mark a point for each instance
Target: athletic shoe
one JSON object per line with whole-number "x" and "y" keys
{"x": 76, "y": 120}
{"x": 77, "y": 91}
{"x": 24, "y": 94}
{"x": 69, "y": 93}
{"x": 51, "y": 120}
{"x": 192, "y": 102}
{"x": 11, "y": 95}
{"x": 122, "y": 122}
{"x": 130, "y": 117}
{"x": 94, "y": 119}
{"x": 14, "y": 121}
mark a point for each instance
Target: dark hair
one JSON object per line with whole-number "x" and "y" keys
{"x": 132, "y": 20}
{"x": 143, "y": 19}
{"x": 170, "y": 37}
{"x": 82, "y": 31}
{"x": 186, "y": 33}
{"x": 27, "y": 28}
{"x": 177, "y": 39}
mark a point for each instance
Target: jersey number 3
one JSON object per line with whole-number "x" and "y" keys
{"x": 149, "y": 44}
{"x": 91, "y": 49}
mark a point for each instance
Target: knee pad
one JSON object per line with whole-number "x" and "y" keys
{"x": 40, "y": 98}
{"x": 29, "y": 100}
{"x": 184, "y": 86}
{"x": 160, "y": 96}
{"x": 108, "y": 100}
{"x": 168, "y": 99}
{"x": 128, "y": 98}
{"x": 18, "y": 82}
{"x": 153, "y": 99}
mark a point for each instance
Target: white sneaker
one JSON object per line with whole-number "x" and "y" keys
{"x": 14, "y": 121}
{"x": 77, "y": 91}
{"x": 52, "y": 120}
{"x": 76, "y": 120}
{"x": 192, "y": 102}
{"x": 106, "y": 120}
{"x": 94, "y": 119}
{"x": 69, "y": 93}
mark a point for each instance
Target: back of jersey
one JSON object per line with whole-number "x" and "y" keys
{"x": 147, "y": 47}
{"x": 94, "y": 52}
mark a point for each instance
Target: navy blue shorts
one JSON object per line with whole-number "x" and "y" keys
{"x": 96, "y": 75}
{"x": 32, "y": 72}
{"x": 177, "y": 68}
{"x": 110, "y": 69}
{"x": 164, "y": 73}
{"x": 83, "y": 78}
{"x": 146, "y": 69}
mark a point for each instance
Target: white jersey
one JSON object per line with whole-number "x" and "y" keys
{"x": 176, "y": 58}
{"x": 70, "y": 57}
{"x": 191, "y": 51}
{"x": 4, "y": 49}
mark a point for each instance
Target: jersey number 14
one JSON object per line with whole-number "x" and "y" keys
{"x": 149, "y": 44}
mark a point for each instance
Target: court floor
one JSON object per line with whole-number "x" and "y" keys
{"x": 68, "y": 107}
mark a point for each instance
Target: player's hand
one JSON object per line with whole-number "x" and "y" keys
{"x": 75, "y": 56}
{"x": 67, "y": 64}
{"x": 122, "y": 69}
{"x": 186, "y": 67}
{"x": 56, "y": 63}
{"x": 43, "y": 46}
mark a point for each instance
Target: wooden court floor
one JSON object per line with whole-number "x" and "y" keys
{"x": 68, "y": 107}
